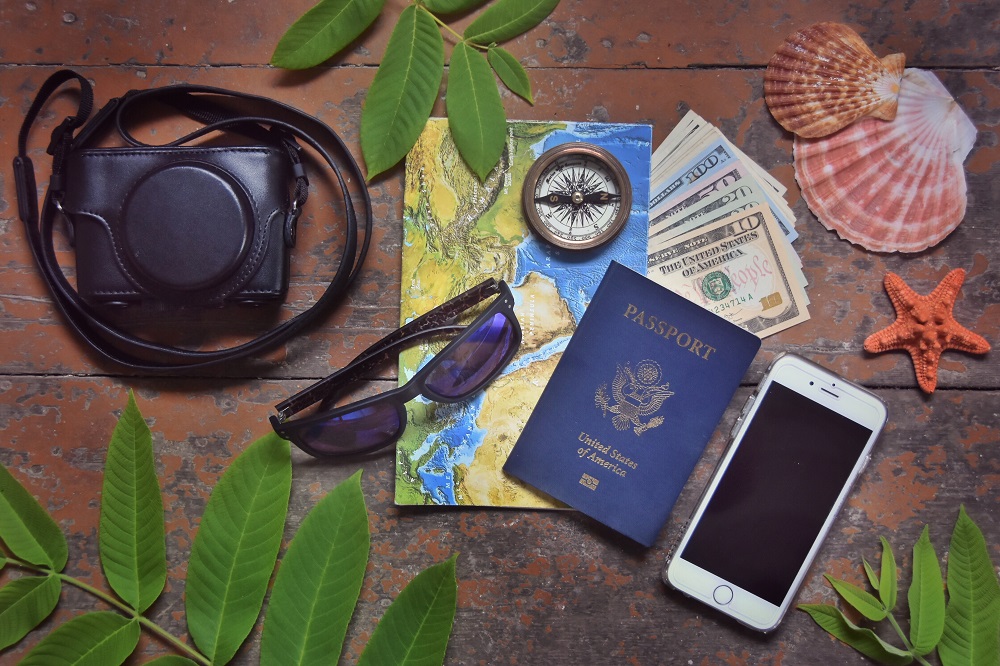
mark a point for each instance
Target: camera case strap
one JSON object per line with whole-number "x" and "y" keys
{"x": 226, "y": 249}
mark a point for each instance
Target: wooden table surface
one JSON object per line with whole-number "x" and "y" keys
{"x": 534, "y": 587}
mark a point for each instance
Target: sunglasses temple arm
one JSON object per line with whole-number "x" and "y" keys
{"x": 368, "y": 360}
{"x": 442, "y": 317}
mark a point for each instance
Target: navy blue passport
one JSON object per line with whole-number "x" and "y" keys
{"x": 637, "y": 394}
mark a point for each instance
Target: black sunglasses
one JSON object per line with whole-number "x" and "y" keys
{"x": 469, "y": 362}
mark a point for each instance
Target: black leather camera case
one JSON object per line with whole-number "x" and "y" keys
{"x": 180, "y": 225}
{"x": 186, "y": 223}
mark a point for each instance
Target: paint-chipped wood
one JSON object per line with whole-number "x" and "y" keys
{"x": 534, "y": 587}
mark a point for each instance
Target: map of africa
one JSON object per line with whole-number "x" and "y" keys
{"x": 459, "y": 231}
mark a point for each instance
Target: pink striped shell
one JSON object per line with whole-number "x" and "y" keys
{"x": 896, "y": 186}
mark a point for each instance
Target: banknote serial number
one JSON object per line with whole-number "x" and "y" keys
{"x": 731, "y": 303}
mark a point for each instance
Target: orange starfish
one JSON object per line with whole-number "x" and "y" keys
{"x": 925, "y": 326}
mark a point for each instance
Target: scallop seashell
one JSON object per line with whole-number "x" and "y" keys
{"x": 895, "y": 186}
{"x": 824, "y": 77}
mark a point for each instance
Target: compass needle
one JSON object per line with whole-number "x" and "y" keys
{"x": 577, "y": 196}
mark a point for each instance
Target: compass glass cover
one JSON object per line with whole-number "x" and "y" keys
{"x": 578, "y": 198}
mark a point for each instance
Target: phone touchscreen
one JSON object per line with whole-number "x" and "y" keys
{"x": 776, "y": 494}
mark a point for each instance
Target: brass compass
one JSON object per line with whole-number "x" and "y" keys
{"x": 577, "y": 196}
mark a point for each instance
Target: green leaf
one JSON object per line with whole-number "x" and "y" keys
{"x": 925, "y": 597}
{"x": 887, "y": 583}
{"x": 972, "y": 620}
{"x": 323, "y": 31}
{"x": 870, "y": 572}
{"x": 95, "y": 639}
{"x": 236, "y": 547}
{"x": 171, "y": 660}
{"x": 862, "y": 601}
{"x": 475, "y": 113}
{"x": 510, "y": 72}
{"x": 27, "y": 529}
{"x": 133, "y": 550}
{"x": 415, "y": 628}
{"x": 403, "y": 92}
{"x": 452, "y": 6}
{"x": 24, "y": 603}
{"x": 318, "y": 583}
{"x": 864, "y": 641}
{"x": 507, "y": 19}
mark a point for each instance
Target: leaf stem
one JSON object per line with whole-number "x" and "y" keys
{"x": 909, "y": 646}
{"x": 125, "y": 609}
{"x": 449, "y": 29}
{"x": 175, "y": 642}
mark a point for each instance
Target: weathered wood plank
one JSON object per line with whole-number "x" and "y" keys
{"x": 579, "y": 33}
{"x": 534, "y": 587}
{"x": 848, "y": 301}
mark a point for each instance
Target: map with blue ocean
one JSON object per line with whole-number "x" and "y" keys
{"x": 458, "y": 231}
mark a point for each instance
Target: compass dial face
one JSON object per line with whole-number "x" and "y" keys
{"x": 577, "y": 196}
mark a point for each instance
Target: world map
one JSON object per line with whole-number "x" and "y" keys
{"x": 459, "y": 231}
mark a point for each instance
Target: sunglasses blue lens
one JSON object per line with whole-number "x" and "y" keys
{"x": 356, "y": 431}
{"x": 470, "y": 364}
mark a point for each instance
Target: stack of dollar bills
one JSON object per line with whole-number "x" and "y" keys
{"x": 721, "y": 232}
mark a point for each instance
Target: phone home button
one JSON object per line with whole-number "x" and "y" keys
{"x": 723, "y": 595}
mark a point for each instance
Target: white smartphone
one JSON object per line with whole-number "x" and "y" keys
{"x": 800, "y": 442}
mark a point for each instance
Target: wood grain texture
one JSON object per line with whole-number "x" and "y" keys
{"x": 534, "y": 587}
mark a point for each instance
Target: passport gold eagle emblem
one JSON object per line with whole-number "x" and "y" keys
{"x": 635, "y": 395}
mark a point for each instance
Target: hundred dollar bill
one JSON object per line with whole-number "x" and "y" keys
{"x": 687, "y": 139}
{"x": 738, "y": 268}
{"x": 693, "y": 144}
{"x": 678, "y": 136}
{"x": 739, "y": 196}
{"x": 708, "y": 160}
{"x": 703, "y": 189}
{"x": 692, "y": 135}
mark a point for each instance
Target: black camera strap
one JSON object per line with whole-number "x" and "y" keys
{"x": 268, "y": 120}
